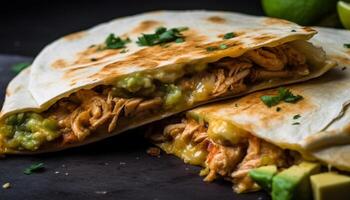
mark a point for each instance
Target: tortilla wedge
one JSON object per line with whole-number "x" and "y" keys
{"x": 231, "y": 137}
{"x": 91, "y": 85}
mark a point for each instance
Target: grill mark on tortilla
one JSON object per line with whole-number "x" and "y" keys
{"x": 146, "y": 26}
{"x": 263, "y": 37}
{"x": 274, "y": 21}
{"x": 216, "y": 20}
{"x": 151, "y": 57}
{"x": 309, "y": 29}
{"x": 75, "y": 36}
{"x": 59, "y": 64}
{"x": 85, "y": 57}
{"x": 341, "y": 59}
{"x": 252, "y": 107}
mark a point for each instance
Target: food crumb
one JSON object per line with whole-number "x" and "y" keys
{"x": 57, "y": 172}
{"x": 153, "y": 151}
{"x": 106, "y": 163}
{"x": 101, "y": 192}
{"x": 122, "y": 163}
{"x": 137, "y": 158}
{"x": 66, "y": 174}
{"x": 6, "y": 185}
{"x": 63, "y": 166}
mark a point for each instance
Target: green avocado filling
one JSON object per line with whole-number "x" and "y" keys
{"x": 28, "y": 131}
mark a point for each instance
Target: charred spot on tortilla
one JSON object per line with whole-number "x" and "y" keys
{"x": 145, "y": 26}
{"x": 274, "y": 21}
{"x": 60, "y": 64}
{"x": 308, "y": 29}
{"x": 75, "y": 36}
{"x": 217, "y": 19}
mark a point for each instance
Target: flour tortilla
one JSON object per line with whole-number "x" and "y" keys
{"x": 324, "y": 129}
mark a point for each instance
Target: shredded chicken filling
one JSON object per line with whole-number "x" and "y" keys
{"x": 230, "y": 161}
{"x": 104, "y": 106}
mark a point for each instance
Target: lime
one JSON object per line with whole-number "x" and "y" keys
{"x": 344, "y": 13}
{"x": 304, "y": 12}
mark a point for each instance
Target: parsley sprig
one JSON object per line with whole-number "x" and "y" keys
{"x": 113, "y": 42}
{"x": 284, "y": 94}
{"x": 33, "y": 168}
{"x": 162, "y": 35}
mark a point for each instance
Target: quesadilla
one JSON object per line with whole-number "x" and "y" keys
{"x": 232, "y": 138}
{"x": 97, "y": 83}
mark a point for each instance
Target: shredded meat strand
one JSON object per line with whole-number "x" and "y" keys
{"x": 231, "y": 162}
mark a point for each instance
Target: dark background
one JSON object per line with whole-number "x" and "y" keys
{"x": 26, "y": 26}
{"x": 116, "y": 168}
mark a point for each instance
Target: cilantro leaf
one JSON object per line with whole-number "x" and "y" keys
{"x": 223, "y": 46}
{"x": 296, "y": 116}
{"x": 296, "y": 123}
{"x": 162, "y": 35}
{"x": 34, "y": 168}
{"x": 17, "y": 68}
{"x": 347, "y": 45}
{"x": 229, "y": 35}
{"x": 113, "y": 42}
{"x": 284, "y": 94}
{"x": 212, "y": 48}
{"x": 270, "y": 100}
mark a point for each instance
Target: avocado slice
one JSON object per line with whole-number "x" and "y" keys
{"x": 294, "y": 183}
{"x": 330, "y": 185}
{"x": 263, "y": 176}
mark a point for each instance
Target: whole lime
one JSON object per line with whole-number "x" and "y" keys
{"x": 344, "y": 13}
{"x": 304, "y": 12}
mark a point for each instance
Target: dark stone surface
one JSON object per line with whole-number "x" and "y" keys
{"x": 118, "y": 167}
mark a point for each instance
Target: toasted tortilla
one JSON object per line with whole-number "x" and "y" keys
{"x": 73, "y": 63}
{"x": 323, "y": 129}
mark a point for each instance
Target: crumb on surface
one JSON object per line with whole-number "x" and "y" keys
{"x": 6, "y": 185}
{"x": 153, "y": 151}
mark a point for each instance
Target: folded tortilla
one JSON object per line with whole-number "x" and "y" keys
{"x": 97, "y": 83}
{"x": 230, "y": 138}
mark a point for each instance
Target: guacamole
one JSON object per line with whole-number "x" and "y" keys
{"x": 28, "y": 131}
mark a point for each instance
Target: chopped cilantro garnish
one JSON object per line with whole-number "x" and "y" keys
{"x": 34, "y": 168}
{"x": 162, "y": 35}
{"x": 296, "y": 123}
{"x": 179, "y": 40}
{"x": 296, "y": 116}
{"x": 347, "y": 45}
{"x": 293, "y": 30}
{"x": 124, "y": 51}
{"x": 284, "y": 94}
{"x": 113, "y": 42}
{"x": 229, "y": 35}
{"x": 223, "y": 46}
{"x": 212, "y": 48}
{"x": 278, "y": 109}
{"x": 17, "y": 68}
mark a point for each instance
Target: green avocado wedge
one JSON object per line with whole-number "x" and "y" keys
{"x": 294, "y": 182}
{"x": 263, "y": 176}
